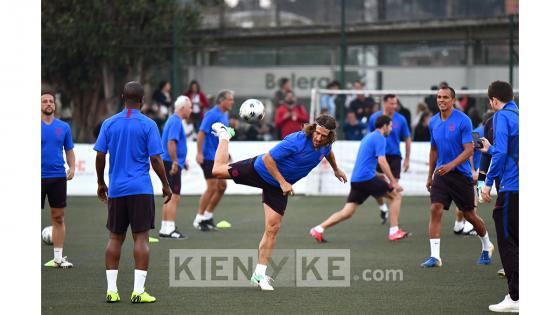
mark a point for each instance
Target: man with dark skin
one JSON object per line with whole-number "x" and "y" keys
{"x": 133, "y": 143}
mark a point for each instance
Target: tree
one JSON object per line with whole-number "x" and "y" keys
{"x": 91, "y": 48}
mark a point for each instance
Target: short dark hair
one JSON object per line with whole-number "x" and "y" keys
{"x": 283, "y": 81}
{"x": 500, "y": 90}
{"x": 324, "y": 121}
{"x": 388, "y": 96}
{"x": 48, "y": 92}
{"x": 333, "y": 83}
{"x": 162, "y": 84}
{"x": 133, "y": 92}
{"x": 382, "y": 121}
{"x": 452, "y": 90}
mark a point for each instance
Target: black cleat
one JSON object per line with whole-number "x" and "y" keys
{"x": 174, "y": 235}
{"x": 210, "y": 223}
{"x": 203, "y": 226}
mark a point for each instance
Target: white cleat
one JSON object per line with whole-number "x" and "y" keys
{"x": 263, "y": 281}
{"x": 219, "y": 129}
{"x": 63, "y": 263}
{"x": 506, "y": 306}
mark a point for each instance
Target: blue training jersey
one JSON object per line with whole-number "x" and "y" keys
{"x": 210, "y": 144}
{"x": 295, "y": 157}
{"x": 131, "y": 139}
{"x": 173, "y": 130}
{"x": 372, "y": 146}
{"x": 449, "y": 136}
{"x": 477, "y": 154}
{"x": 400, "y": 132}
{"x": 54, "y": 138}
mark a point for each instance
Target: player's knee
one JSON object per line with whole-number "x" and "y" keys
{"x": 57, "y": 217}
{"x": 222, "y": 185}
{"x": 437, "y": 209}
{"x": 272, "y": 228}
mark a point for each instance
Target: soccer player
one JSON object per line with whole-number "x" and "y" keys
{"x": 174, "y": 156}
{"x": 56, "y": 136}
{"x": 207, "y": 145}
{"x": 505, "y": 166}
{"x": 275, "y": 172}
{"x": 364, "y": 183}
{"x": 393, "y": 151}
{"x": 133, "y": 143}
{"x": 450, "y": 175}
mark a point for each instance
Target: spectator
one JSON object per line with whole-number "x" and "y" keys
{"x": 420, "y": 109}
{"x": 421, "y": 131}
{"x": 354, "y": 129}
{"x": 466, "y": 102}
{"x": 405, "y": 112}
{"x": 475, "y": 117}
{"x": 280, "y": 95}
{"x": 262, "y": 131}
{"x": 199, "y": 102}
{"x": 327, "y": 101}
{"x": 162, "y": 103}
{"x": 431, "y": 101}
{"x": 190, "y": 132}
{"x": 361, "y": 105}
{"x": 290, "y": 116}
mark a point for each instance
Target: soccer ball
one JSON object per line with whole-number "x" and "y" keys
{"x": 46, "y": 235}
{"x": 251, "y": 110}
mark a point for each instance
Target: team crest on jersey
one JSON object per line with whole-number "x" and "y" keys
{"x": 451, "y": 127}
{"x": 58, "y": 131}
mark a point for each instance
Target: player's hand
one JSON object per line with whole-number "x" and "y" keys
{"x": 287, "y": 189}
{"x": 406, "y": 164}
{"x": 485, "y": 145}
{"x": 70, "y": 174}
{"x": 474, "y": 176}
{"x": 429, "y": 184}
{"x": 340, "y": 175}
{"x": 102, "y": 192}
{"x": 444, "y": 169}
{"x": 397, "y": 187}
{"x": 174, "y": 168}
{"x": 166, "y": 190}
{"x": 486, "y": 194}
{"x": 199, "y": 158}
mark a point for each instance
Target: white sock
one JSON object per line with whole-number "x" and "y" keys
{"x": 163, "y": 229}
{"x": 434, "y": 247}
{"x": 208, "y": 215}
{"x": 112, "y": 280}
{"x": 393, "y": 229}
{"x": 260, "y": 269}
{"x": 319, "y": 229}
{"x": 58, "y": 254}
{"x": 170, "y": 226}
{"x": 485, "y": 240}
{"x": 139, "y": 280}
{"x": 384, "y": 207}
{"x": 199, "y": 218}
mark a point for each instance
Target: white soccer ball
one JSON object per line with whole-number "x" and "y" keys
{"x": 46, "y": 235}
{"x": 251, "y": 110}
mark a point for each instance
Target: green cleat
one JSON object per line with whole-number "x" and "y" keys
{"x": 142, "y": 298}
{"x": 113, "y": 297}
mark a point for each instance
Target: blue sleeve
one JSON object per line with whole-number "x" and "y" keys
{"x": 283, "y": 149}
{"x": 466, "y": 131}
{"x": 432, "y": 140}
{"x": 154, "y": 141}
{"x": 206, "y": 125}
{"x": 498, "y": 149}
{"x": 405, "y": 132}
{"x": 174, "y": 131}
{"x": 380, "y": 147}
{"x": 101, "y": 143}
{"x": 371, "y": 125}
{"x": 68, "y": 144}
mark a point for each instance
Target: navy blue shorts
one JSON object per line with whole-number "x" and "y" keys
{"x": 455, "y": 187}
{"x": 394, "y": 162}
{"x": 138, "y": 211}
{"x": 244, "y": 173}
{"x": 375, "y": 187}
{"x": 174, "y": 180}
{"x": 207, "y": 166}
{"x": 55, "y": 190}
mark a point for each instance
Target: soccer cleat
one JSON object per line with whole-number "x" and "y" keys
{"x": 263, "y": 281}
{"x": 174, "y": 235}
{"x": 469, "y": 229}
{"x": 218, "y": 128}
{"x": 317, "y": 235}
{"x": 64, "y": 264}
{"x": 144, "y": 297}
{"x": 203, "y": 226}
{"x": 432, "y": 262}
{"x": 112, "y": 297}
{"x": 210, "y": 224}
{"x": 458, "y": 227}
{"x": 506, "y": 306}
{"x": 502, "y": 273}
{"x": 486, "y": 256}
{"x": 384, "y": 215}
{"x": 399, "y": 235}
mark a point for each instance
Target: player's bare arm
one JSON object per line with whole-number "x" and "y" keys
{"x": 71, "y": 160}
{"x": 337, "y": 172}
{"x": 199, "y": 142}
{"x": 100, "y": 170}
{"x": 272, "y": 168}
{"x": 157, "y": 165}
{"x": 431, "y": 166}
{"x": 172, "y": 148}
{"x": 406, "y": 162}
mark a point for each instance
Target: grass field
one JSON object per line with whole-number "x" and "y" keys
{"x": 460, "y": 286}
